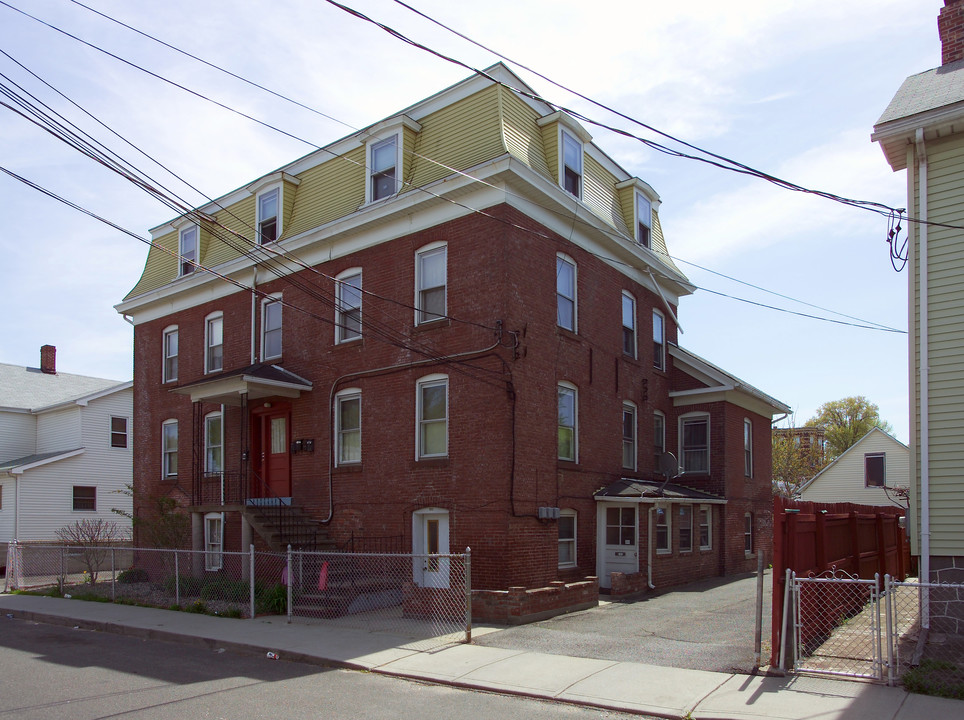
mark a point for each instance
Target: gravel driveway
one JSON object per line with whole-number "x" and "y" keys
{"x": 706, "y": 625}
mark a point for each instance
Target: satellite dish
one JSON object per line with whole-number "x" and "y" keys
{"x": 667, "y": 465}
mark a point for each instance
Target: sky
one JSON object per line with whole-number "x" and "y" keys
{"x": 791, "y": 88}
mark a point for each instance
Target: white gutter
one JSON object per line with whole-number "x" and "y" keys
{"x": 925, "y": 514}
{"x": 649, "y": 562}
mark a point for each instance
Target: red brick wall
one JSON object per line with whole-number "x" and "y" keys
{"x": 950, "y": 27}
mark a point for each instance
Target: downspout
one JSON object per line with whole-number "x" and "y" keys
{"x": 16, "y": 506}
{"x": 254, "y": 313}
{"x": 649, "y": 563}
{"x": 925, "y": 509}
{"x": 669, "y": 308}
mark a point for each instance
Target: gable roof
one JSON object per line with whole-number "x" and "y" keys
{"x": 28, "y": 389}
{"x": 853, "y": 448}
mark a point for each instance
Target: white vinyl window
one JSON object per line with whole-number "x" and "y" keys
{"x": 571, "y": 164}
{"x": 568, "y": 417}
{"x": 644, "y": 220}
{"x": 383, "y": 165}
{"x": 566, "y": 292}
{"x": 567, "y": 538}
{"x": 348, "y": 426}
{"x": 695, "y": 443}
{"x": 659, "y": 341}
{"x": 748, "y": 533}
{"x": 118, "y": 432}
{"x": 430, "y": 281}
{"x": 269, "y": 225}
{"x": 432, "y": 411}
{"x": 348, "y": 302}
{"x": 214, "y": 343}
{"x": 747, "y": 448}
{"x": 271, "y": 310}
{"x": 169, "y": 449}
{"x": 629, "y": 325}
{"x": 686, "y": 528}
{"x": 213, "y": 443}
{"x": 169, "y": 349}
{"x": 706, "y": 527}
{"x": 187, "y": 249}
{"x": 663, "y": 530}
{"x": 213, "y": 541}
{"x": 629, "y": 436}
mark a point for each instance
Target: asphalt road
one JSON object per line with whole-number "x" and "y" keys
{"x": 707, "y": 625}
{"x": 51, "y": 671}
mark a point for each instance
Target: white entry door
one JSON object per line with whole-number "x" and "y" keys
{"x": 617, "y": 540}
{"x": 430, "y": 540}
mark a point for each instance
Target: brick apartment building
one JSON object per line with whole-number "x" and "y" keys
{"x": 454, "y": 328}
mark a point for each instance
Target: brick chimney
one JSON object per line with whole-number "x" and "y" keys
{"x": 950, "y": 26}
{"x": 48, "y": 359}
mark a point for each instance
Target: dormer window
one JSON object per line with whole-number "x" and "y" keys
{"x": 268, "y": 216}
{"x": 571, "y": 164}
{"x": 187, "y": 250}
{"x": 644, "y": 220}
{"x": 383, "y": 166}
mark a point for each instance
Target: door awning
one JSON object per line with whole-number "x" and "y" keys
{"x": 653, "y": 491}
{"x": 255, "y": 381}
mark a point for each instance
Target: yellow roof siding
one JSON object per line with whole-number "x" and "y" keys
{"x": 550, "y": 140}
{"x": 523, "y": 138}
{"x": 288, "y": 194}
{"x": 239, "y": 218}
{"x": 329, "y": 191}
{"x": 658, "y": 243}
{"x": 160, "y": 267}
{"x": 599, "y": 193}
{"x": 458, "y": 136}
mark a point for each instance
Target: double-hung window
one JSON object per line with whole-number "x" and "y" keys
{"x": 875, "y": 469}
{"x": 571, "y": 164}
{"x": 685, "y": 528}
{"x": 348, "y": 427}
{"x": 213, "y": 540}
{"x": 432, "y": 412}
{"x": 748, "y": 533}
{"x": 695, "y": 443}
{"x": 169, "y": 449}
{"x": 85, "y": 497}
{"x": 566, "y": 292}
{"x": 568, "y": 409}
{"x": 170, "y": 354}
{"x": 383, "y": 161}
{"x": 629, "y": 436}
{"x": 706, "y": 527}
{"x": 118, "y": 431}
{"x": 187, "y": 250}
{"x": 644, "y": 220}
{"x": 268, "y": 206}
{"x": 348, "y": 301}
{"x": 271, "y": 328}
{"x": 430, "y": 280}
{"x": 747, "y": 448}
{"x": 213, "y": 444}
{"x": 213, "y": 343}
{"x": 663, "y": 529}
{"x": 629, "y": 325}
{"x": 659, "y": 342}
{"x": 567, "y": 538}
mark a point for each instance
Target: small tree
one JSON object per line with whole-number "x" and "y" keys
{"x": 794, "y": 463}
{"x": 846, "y": 421}
{"x": 93, "y": 537}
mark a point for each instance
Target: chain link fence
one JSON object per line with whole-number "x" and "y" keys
{"x": 423, "y": 598}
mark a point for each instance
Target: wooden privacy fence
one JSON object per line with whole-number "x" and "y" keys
{"x": 809, "y": 538}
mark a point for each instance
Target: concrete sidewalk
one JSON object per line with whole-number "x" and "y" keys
{"x": 625, "y": 686}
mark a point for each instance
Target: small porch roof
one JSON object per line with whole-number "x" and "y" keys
{"x": 652, "y": 491}
{"x": 257, "y": 381}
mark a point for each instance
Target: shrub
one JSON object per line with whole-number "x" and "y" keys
{"x": 187, "y": 585}
{"x": 134, "y": 575}
{"x": 197, "y": 607}
{"x": 225, "y": 589}
{"x": 273, "y": 599}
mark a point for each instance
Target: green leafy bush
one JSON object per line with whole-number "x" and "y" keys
{"x": 272, "y": 599}
{"x": 227, "y": 590}
{"x": 134, "y": 575}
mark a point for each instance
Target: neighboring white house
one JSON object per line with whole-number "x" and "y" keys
{"x": 873, "y": 471}
{"x": 65, "y": 450}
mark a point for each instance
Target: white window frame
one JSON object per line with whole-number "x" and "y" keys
{"x": 344, "y": 305}
{"x": 747, "y": 448}
{"x": 580, "y": 173}
{"x": 629, "y": 442}
{"x": 345, "y": 396}
{"x": 373, "y": 147}
{"x": 262, "y": 198}
{"x": 167, "y": 453}
{"x": 187, "y": 254}
{"x": 564, "y": 260}
{"x": 659, "y": 340}
{"x": 569, "y": 542}
{"x": 667, "y": 515}
{"x": 423, "y": 317}
{"x": 208, "y": 347}
{"x": 883, "y": 476}
{"x": 644, "y": 220}
{"x": 684, "y": 420}
{"x": 628, "y": 307}
{"x": 567, "y": 388}
{"x": 125, "y": 433}
{"x": 707, "y": 512}
{"x": 169, "y": 359}
{"x": 748, "y": 533}
{"x": 211, "y": 442}
{"x": 685, "y": 523}
{"x": 659, "y": 437}
{"x": 271, "y": 302}
{"x": 213, "y": 541}
{"x": 421, "y": 423}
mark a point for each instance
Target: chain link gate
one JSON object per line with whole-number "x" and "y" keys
{"x": 837, "y": 625}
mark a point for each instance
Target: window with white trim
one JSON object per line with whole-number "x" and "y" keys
{"x": 118, "y": 431}
{"x": 747, "y": 448}
{"x": 169, "y": 348}
{"x": 214, "y": 343}
{"x": 629, "y": 435}
{"x": 382, "y": 167}
{"x": 269, "y": 219}
{"x": 169, "y": 449}
{"x": 348, "y": 427}
{"x": 571, "y": 164}
{"x": 213, "y": 541}
{"x": 187, "y": 250}
{"x": 432, "y": 416}
{"x": 705, "y": 514}
{"x": 659, "y": 341}
{"x": 84, "y": 497}
{"x": 663, "y": 529}
{"x": 568, "y": 412}
{"x": 875, "y": 469}
{"x": 686, "y": 528}
{"x": 430, "y": 280}
{"x": 348, "y": 302}
{"x": 644, "y": 220}
{"x": 695, "y": 443}
{"x": 629, "y": 325}
{"x": 748, "y": 533}
{"x": 659, "y": 437}
{"x": 567, "y": 538}
{"x": 271, "y": 310}
{"x": 213, "y": 443}
{"x": 566, "y": 292}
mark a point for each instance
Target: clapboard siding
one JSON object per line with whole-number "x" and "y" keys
{"x": 18, "y": 435}
{"x": 59, "y": 430}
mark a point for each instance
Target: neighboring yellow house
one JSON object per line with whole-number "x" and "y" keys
{"x": 922, "y": 131}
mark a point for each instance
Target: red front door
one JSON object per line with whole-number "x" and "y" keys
{"x": 270, "y": 456}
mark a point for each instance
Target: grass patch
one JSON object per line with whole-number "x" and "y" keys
{"x": 935, "y": 677}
